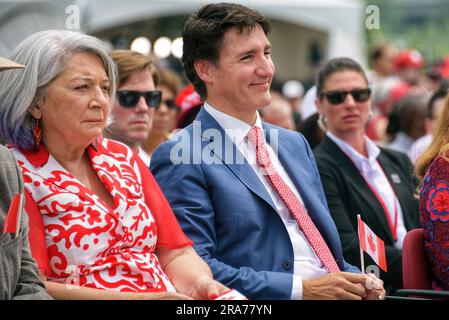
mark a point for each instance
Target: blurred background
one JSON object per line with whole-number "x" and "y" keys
{"x": 305, "y": 32}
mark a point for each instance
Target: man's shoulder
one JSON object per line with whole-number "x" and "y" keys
{"x": 183, "y": 136}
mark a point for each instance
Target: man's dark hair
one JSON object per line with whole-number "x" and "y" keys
{"x": 439, "y": 94}
{"x": 406, "y": 113}
{"x": 378, "y": 50}
{"x": 336, "y": 65}
{"x": 203, "y": 34}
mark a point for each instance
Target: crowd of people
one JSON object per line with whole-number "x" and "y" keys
{"x": 137, "y": 185}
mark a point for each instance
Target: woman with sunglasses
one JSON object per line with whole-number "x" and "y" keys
{"x": 136, "y": 101}
{"x": 358, "y": 177}
{"x": 100, "y": 226}
{"x": 165, "y": 115}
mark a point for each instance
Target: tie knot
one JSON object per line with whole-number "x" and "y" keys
{"x": 255, "y": 136}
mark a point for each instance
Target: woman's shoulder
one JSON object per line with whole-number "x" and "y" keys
{"x": 439, "y": 166}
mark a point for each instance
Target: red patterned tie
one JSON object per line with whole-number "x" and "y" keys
{"x": 298, "y": 211}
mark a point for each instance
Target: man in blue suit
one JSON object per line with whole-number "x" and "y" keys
{"x": 240, "y": 223}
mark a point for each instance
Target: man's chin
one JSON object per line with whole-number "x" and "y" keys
{"x": 138, "y": 137}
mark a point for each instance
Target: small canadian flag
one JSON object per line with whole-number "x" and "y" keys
{"x": 372, "y": 244}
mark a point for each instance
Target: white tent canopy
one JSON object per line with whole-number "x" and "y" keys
{"x": 340, "y": 20}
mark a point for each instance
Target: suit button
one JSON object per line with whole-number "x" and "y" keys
{"x": 287, "y": 265}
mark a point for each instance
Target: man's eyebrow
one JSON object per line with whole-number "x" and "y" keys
{"x": 251, "y": 51}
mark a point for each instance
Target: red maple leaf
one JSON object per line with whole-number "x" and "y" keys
{"x": 371, "y": 243}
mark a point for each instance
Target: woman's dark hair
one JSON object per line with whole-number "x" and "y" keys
{"x": 203, "y": 34}
{"x": 333, "y": 66}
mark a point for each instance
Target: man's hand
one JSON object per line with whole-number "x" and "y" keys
{"x": 344, "y": 286}
{"x": 335, "y": 286}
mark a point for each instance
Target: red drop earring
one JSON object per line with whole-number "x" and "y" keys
{"x": 37, "y": 134}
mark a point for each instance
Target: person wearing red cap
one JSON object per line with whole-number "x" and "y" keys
{"x": 190, "y": 103}
{"x": 408, "y": 64}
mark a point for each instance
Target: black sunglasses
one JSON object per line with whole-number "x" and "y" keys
{"x": 337, "y": 97}
{"x": 129, "y": 98}
{"x": 170, "y": 104}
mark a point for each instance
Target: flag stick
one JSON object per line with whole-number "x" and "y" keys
{"x": 362, "y": 261}
{"x": 19, "y": 215}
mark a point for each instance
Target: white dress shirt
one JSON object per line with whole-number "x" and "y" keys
{"x": 306, "y": 263}
{"x": 144, "y": 156}
{"x": 418, "y": 147}
{"x": 371, "y": 171}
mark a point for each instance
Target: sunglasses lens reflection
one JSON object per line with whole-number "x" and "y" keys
{"x": 129, "y": 99}
{"x": 338, "y": 97}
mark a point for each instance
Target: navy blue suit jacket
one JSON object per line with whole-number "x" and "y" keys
{"x": 225, "y": 209}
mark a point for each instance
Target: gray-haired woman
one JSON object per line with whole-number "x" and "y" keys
{"x": 19, "y": 277}
{"x": 107, "y": 228}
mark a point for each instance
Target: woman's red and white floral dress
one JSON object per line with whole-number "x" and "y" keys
{"x": 88, "y": 243}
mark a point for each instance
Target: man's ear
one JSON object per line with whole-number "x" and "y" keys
{"x": 204, "y": 69}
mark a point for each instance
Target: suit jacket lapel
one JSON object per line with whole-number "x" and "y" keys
{"x": 243, "y": 171}
{"x": 359, "y": 185}
{"x": 398, "y": 187}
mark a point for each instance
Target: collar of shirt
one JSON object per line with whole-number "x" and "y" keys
{"x": 40, "y": 158}
{"x": 402, "y": 142}
{"x": 236, "y": 129}
{"x": 144, "y": 156}
{"x": 363, "y": 164}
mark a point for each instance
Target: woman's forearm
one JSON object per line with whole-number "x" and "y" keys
{"x": 189, "y": 273}
{"x": 61, "y": 291}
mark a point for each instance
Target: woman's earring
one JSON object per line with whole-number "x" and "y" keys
{"x": 37, "y": 134}
{"x": 370, "y": 114}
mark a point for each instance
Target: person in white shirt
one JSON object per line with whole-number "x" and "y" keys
{"x": 358, "y": 177}
{"x": 246, "y": 192}
{"x": 407, "y": 121}
{"x": 136, "y": 101}
{"x": 434, "y": 108}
